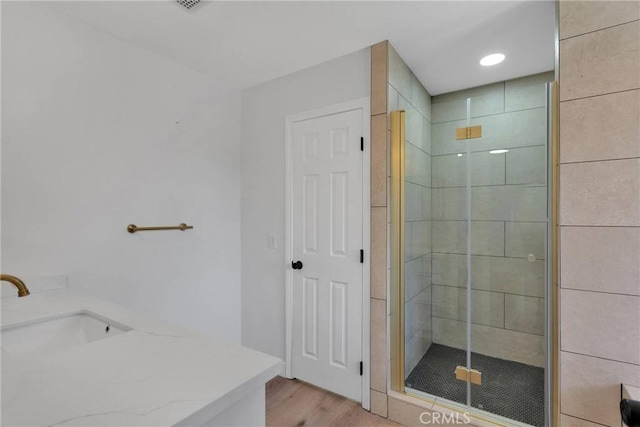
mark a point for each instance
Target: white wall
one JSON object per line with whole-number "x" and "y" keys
{"x": 97, "y": 134}
{"x": 264, "y": 108}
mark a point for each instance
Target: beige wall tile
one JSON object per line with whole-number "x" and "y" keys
{"x": 379, "y": 78}
{"x": 524, "y": 314}
{"x": 509, "y": 275}
{"x": 600, "y": 128}
{"x": 590, "y": 387}
{"x": 496, "y": 342}
{"x": 399, "y": 74}
{"x": 527, "y": 165}
{"x": 515, "y": 129}
{"x": 567, "y": 421}
{"x": 580, "y": 17}
{"x": 600, "y": 193}
{"x": 630, "y": 392}
{"x": 601, "y": 62}
{"x": 601, "y": 325}
{"x": 379, "y": 171}
{"x": 379, "y": 252}
{"x": 487, "y": 237}
{"x": 405, "y": 413}
{"x": 601, "y": 259}
{"x": 379, "y": 345}
{"x": 527, "y": 92}
{"x": 451, "y": 170}
{"x": 487, "y": 308}
{"x": 525, "y": 238}
{"x": 379, "y": 403}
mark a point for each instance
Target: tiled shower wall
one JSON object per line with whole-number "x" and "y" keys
{"x": 599, "y": 208}
{"x": 508, "y": 214}
{"x": 405, "y": 92}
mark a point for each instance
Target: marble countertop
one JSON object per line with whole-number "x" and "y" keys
{"x": 156, "y": 374}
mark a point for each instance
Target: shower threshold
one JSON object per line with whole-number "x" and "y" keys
{"x": 509, "y": 389}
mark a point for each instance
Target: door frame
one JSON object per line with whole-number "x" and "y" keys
{"x": 290, "y": 120}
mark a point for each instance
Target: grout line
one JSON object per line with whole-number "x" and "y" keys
{"x": 598, "y": 357}
{"x": 485, "y": 290}
{"x": 488, "y": 185}
{"x": 599, "y": 161}
{"x": 504, "y": 96}
{"x": 599, "y": 292}
{"x": 485, "y": 220}
{"x": 504, "y": 238}
{"x": 504, "y": 310}
{"x": 599, "y": 29}
{"x": 490, "y": 149}
{"x": 497, "y": 328}
{"x": 597, "y": 226}
{"x": 488, "y": 256}
{"x": 582, "y": 419}
{"x": 598, "y": 95}
{"x": 489, "y": 115}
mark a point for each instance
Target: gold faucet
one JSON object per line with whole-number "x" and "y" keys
{"x": 22, "y": 288}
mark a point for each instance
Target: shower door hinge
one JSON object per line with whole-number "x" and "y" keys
{"x": 361, "y": 368}
{"x": 362, "y": 143}
{"x": 468, "y": 375}
{"x": 469, "y": 132}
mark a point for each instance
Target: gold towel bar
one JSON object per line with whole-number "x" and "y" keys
{"x": 132, "y": 228}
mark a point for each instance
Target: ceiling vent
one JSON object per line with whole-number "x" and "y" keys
{"x": 189, "y": 4}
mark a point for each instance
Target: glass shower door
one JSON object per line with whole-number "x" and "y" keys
{"x": 507, "y": 206}
{"x": 474, "y": 252}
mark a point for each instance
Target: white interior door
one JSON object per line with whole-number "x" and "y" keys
{"x": 327, "y": 238}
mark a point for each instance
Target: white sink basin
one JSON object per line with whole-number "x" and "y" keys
{"x": 46, "y": 336}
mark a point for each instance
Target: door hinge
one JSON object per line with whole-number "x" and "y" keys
{"x": 362, "y": 143}
{"x": 361, "y": 256}
{"x": 361, "y": 368}
{"x": 469, "y": 375}
{"x": 469, "y": 132}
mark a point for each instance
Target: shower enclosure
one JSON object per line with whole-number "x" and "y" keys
{"x": 470, "y": 250}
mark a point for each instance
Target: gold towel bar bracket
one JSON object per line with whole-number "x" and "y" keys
{"x": 132, "y": 228}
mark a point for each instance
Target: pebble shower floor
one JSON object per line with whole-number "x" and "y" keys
{"x": 510, "y": 389}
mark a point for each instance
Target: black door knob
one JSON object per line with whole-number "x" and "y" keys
{"x": 296, "y": 265}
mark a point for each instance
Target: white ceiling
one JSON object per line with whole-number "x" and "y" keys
{"x": 249, "y": 42}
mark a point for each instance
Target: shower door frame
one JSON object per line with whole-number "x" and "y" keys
{"x": 397, "y": 172}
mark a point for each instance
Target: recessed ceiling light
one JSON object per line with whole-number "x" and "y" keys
{"x": 493, "y": 59}
{"x": 498, "y": 151}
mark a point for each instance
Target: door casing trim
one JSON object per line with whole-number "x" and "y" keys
{"x": 358, "y": 104}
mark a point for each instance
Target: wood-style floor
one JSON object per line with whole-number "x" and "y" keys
{"x": 296, "y": 404}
